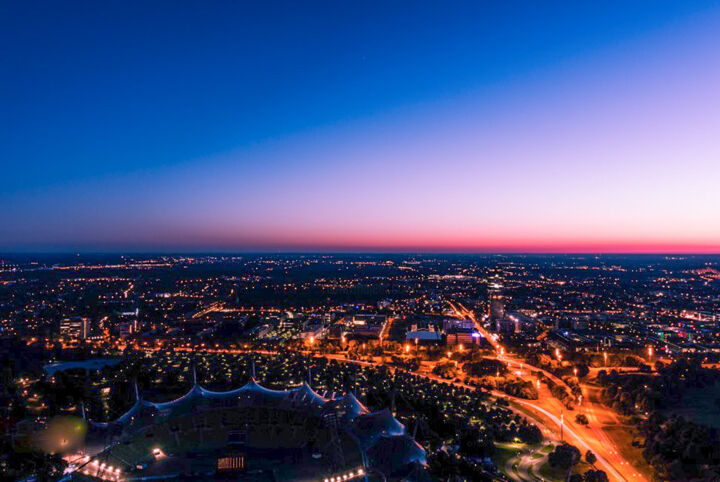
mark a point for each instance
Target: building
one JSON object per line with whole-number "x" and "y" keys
{"x": 314, "y": 331}
{"x": 294, "y": 434}
{"x": 75, "y": 328}
{"x": 424, "y": 336}
{"x": 127, "y": 328}
{"x": 365, "y": 326}
{"x": 461, "y": 336}
{"x": 497, "y": 307}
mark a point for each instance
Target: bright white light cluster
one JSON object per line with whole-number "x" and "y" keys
{"x": 350, "y": 475}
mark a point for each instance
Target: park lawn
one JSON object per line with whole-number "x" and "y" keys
{"x": 502, "y": 455}
{"x": 556, "y": 473}
{"x": 552, "y": 473}
{"x": 548, "y": 448}
{"x": 623, "y": 438}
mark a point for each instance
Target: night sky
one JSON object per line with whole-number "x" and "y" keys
{"x": 360, "y": 126}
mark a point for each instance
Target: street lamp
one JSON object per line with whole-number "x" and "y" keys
{"x": 575, "y": 372}
{"x": 407, "y": 348}
{"x": 605, "y": 357}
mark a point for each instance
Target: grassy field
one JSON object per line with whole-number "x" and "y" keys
{"x": 623, "y": 437}
{"x": 502, "y": 455}
{"x": 547, "y": 448}
{"x": 552, "y": 473}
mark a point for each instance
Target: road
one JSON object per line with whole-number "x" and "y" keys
{"x": 462, "y": 312}
{"x": 525, "y": 466}
{"x": 541, "y": 412}
{"x": 550, "y": 409}
{"x": 608, "y": 460}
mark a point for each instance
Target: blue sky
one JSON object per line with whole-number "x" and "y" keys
{"x": 113, "y": 110}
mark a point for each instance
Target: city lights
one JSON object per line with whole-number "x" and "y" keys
{"x": 338, "y": 349}
{"x": 228, "y": 228}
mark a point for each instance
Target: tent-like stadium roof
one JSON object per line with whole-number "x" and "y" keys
{"x": 378, "y": 434}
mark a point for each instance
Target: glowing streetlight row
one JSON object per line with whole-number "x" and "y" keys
{"x": 101, "y": 469}
{"x": 350, "y": 475}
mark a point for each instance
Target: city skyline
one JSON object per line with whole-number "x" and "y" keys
{"x": 477, "y": 129}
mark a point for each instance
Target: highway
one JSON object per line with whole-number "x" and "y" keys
{"x": 462, "y": 312}
{"x": 549, "y": 409}
{"x": 609, "y": 460}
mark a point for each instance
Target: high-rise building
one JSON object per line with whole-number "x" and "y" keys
{"x": 497, "y": 306}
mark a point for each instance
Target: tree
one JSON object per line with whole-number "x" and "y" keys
{"x": 581, "y": 419}
{"x": 590, "y": 458}
{"x": 485, "y": 367}
{"x": 564, "y": 456}
{"x": 445, "y": 370}
{"x": 676, "y": 470}
{"x": 476, "y": 443}
{"x": 596, "y": 476}
{"x": 530, "y": 434}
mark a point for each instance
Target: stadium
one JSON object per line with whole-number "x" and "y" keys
{"x": 251, "y": 433}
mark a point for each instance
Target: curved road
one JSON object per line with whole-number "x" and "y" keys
{"x": 609, "y": 457}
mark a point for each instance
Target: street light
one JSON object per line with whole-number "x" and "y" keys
{"x": 575, "y": 372}
{"x": 605, "y": 357}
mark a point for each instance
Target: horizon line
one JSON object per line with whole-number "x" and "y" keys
{"x": 353, "y": 252}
